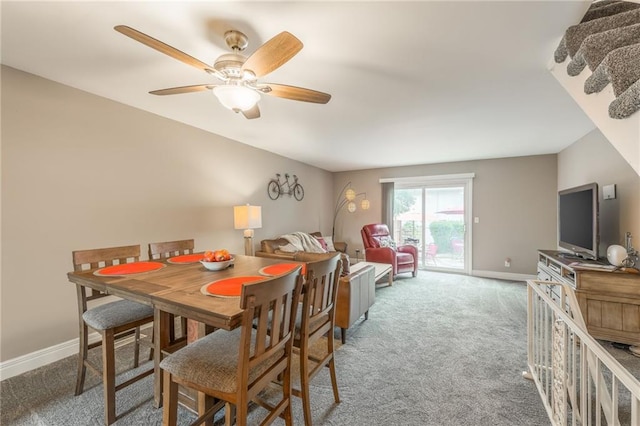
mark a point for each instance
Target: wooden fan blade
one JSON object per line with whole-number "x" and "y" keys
{"x": 183, "y": 89}
{"x": 162, "y": 47}
{"x": 273, "y": 54}
{"x": 297, "y": 93}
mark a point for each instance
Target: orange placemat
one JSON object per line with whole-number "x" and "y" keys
{"x": 186, "y": 258}
{"x": 281, "y": 268}
{"x": 129, "y": 268}
{"x": 229, "y": 287}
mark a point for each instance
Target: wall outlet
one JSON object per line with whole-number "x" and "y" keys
{"x": 507, "y": 263}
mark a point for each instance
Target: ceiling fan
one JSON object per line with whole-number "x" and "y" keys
{"x": 239, "y": 89}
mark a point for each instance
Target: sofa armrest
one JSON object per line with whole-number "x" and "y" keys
{"x": 340, "y": 246}
{"x": 303, "y": 256}
{"x": 409, "y": 249}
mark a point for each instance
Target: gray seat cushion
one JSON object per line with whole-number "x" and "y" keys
{"x": 117, "y": 313}
{"x": 212, "y": 361}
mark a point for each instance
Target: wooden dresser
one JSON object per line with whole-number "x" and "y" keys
{"x": 609, "y": 301}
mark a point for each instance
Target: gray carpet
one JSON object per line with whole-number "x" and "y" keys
{"x": 439, "y": 349}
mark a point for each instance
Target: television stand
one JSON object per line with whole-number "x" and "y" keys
{"x": 609, "y": 300}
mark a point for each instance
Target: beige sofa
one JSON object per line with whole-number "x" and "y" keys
{"x": 271, "y": 248}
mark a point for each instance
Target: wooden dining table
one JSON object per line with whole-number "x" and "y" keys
{"x": 175, "y": 289}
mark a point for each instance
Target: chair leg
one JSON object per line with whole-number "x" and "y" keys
{"x": 343, "y": 332}
{"x": 109, "y": 376}
{"x": 183, "y": 326}
{"x": 153, "y": 336}
{"x": 136, "y": 348}
{"x": 304, "y": 386}
{"x": 286, "y": 394}
{"x": 332, "y": 369}
{"x": 334, "y": 382}
{"x": 172, "y": 328}
{"x": 230, "y": 415}
{"x": 82, "y": 357}
{"x": 170, "y": 401}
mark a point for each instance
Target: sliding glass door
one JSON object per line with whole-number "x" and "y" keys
{"x": 434, "y": 217}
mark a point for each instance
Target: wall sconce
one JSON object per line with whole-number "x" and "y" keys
{"x": 248, "y": 218}
{"x": 349, "y": 200}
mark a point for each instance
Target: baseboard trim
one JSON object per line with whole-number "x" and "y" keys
{"x": 503, "y": 275}
{"x": 42, "y": 357}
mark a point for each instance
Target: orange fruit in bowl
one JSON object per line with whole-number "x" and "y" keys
{"x": 208, "y": 256}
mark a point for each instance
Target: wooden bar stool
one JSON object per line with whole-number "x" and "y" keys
{"x": 316, "y": 319}
{"x": 113, "y": 320}
{"x": 166, "y": 250}
{"x": 235, "y": 366}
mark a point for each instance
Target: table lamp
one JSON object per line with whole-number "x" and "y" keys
{"x": 248, "y": 218}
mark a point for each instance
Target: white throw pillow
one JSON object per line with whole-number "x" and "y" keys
{"x": 329, "y": 241}
{"x": 387, "y": 242}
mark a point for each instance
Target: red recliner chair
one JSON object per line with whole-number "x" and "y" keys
{"x": 402, "y": 259}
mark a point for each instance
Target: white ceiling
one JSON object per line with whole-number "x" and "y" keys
{"x": 411, "y": 82}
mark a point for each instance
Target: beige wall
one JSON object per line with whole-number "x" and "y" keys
{"x": 515, "y": 199}
{"x": 594, "y": 159}
{"x": 80, "y": 171}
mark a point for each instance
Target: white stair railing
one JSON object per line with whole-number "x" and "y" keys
{"x": 580, "y": 383}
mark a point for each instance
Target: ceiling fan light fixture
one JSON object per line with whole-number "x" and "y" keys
{"x": 236, "y": 98}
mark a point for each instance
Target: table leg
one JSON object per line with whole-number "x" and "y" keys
{"x": 161, "y": 328}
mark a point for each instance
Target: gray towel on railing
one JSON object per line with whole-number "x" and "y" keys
{"x": 596, "y": 47}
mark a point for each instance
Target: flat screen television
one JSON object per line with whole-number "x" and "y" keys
{"x": 578, "y": 220}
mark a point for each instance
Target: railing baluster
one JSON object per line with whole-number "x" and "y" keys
{"x": 599, "y": 385}
{"x": 567, "y": 364}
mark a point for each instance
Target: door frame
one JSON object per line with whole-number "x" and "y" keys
{"x": 460, "y": 179}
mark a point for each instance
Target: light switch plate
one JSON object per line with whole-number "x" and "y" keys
{"x": 609, "y": 192}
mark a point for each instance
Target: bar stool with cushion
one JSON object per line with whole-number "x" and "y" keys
{"x": 163, "y": 251}
{"x": 113, "y": 320}
{"x": 234, "y": 366}
{"x": 315, "y": 319}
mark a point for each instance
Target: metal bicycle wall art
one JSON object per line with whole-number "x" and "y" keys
{"x": 277, "y": 188}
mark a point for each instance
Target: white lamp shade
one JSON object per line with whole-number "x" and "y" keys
{"x": 247, "y": 217}
{"x": 236, "y": 98}
{"x": 365, "y": 204}
{"x": 351, "y": 207}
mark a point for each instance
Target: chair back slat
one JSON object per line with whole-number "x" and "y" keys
{"x": 319, "y": 292}
{"x": 97, "y": 258}
{"x": 268, "y": 320}
{"x": 169, "y": 249}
